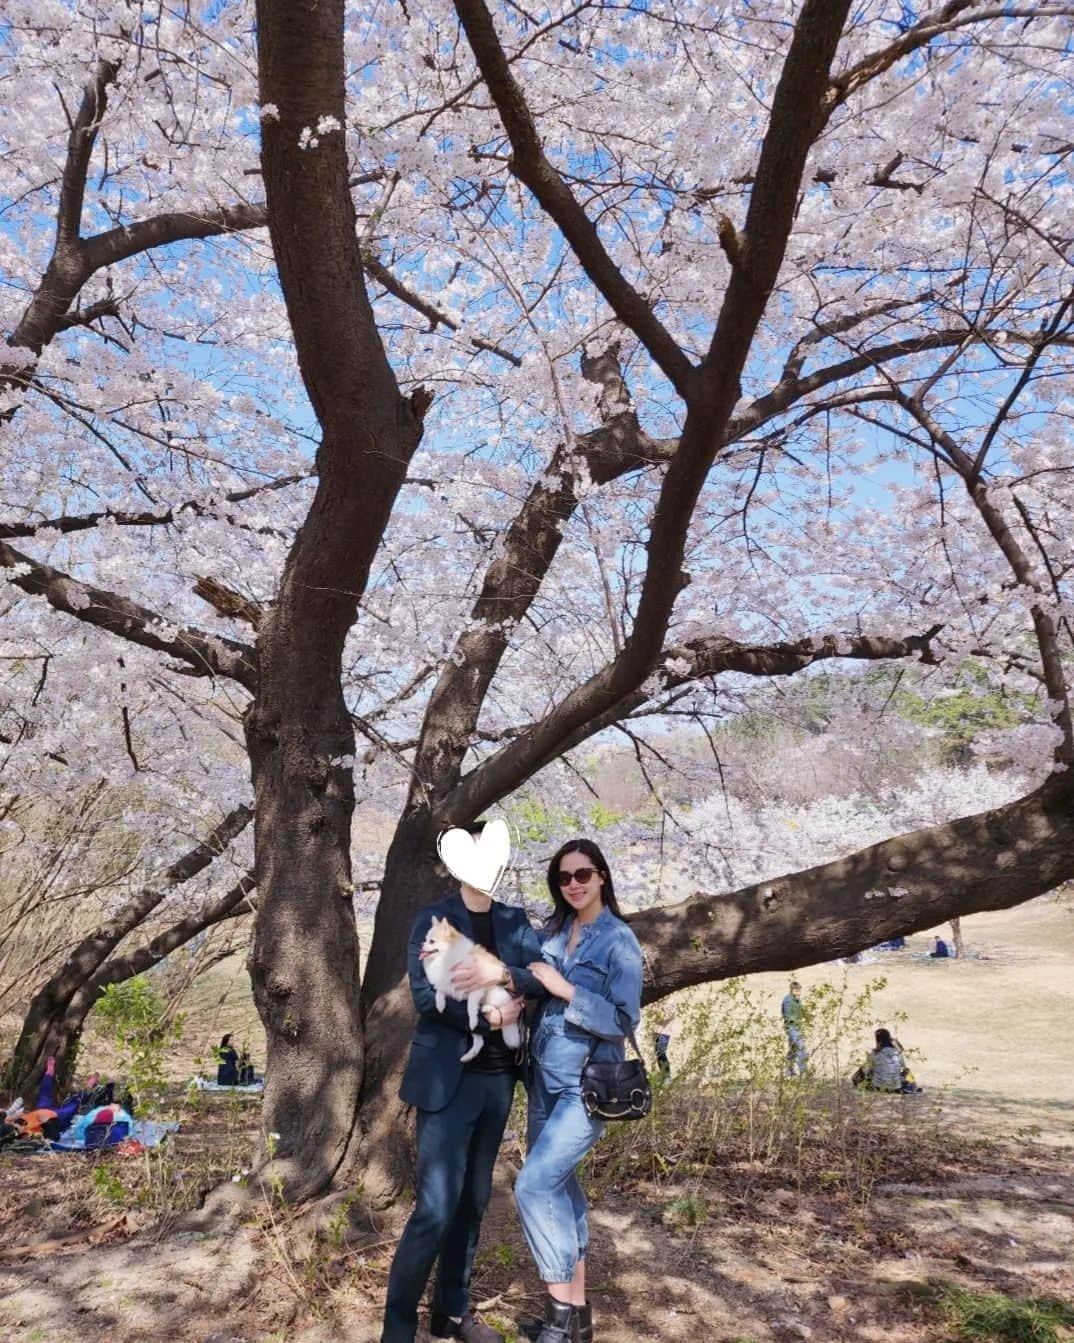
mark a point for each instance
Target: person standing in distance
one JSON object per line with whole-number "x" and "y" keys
{"x": 792, "y": 1009}
{"x": 462, "y": 1111}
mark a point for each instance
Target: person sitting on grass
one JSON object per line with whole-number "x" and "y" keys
{"x": 665, "y": 1029}
{"x": 885, "y": 1067}
{"x": 227, "y": 1057}
{"x": 940, "y": 950}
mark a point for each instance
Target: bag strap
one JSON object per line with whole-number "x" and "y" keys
{"x": 628, "y": 1036}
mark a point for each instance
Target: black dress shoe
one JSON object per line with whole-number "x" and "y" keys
{"x": 469, "y": 1329}
{"x": 560, "y": 1323}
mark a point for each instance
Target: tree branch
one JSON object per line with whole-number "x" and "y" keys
{"x": 798, "y": 114}
{"x": 92, "y": 951}
{"x": 712, "y": 655}
{"x": 228, "y": 603}
{"x": 206, "y": 654}
{"x": 531, "y": 166}
{"x": 437, "y": 317}
{"x": 80, "y": 142}
{"x": 118, "y": 244}
{"x": 121, "y": 968}
{"x": 81, "y": 522}
{"x": 993, "y": 860}
{"x": 105, "y": 307}
{"x": 514, "y": 579}
{"x": 949, "y": 18}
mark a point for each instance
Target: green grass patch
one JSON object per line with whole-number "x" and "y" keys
{"x": 994, "y": 1317}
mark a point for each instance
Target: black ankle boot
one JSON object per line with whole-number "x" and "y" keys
{"x": 583, "y": 1326}
{"x": 560, "y": 1322}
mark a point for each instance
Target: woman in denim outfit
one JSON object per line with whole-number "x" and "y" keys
{"x": 592, "y": 971}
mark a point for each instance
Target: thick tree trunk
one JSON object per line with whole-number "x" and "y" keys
{"x": 305, "y": 919}
{"x": 413, "y": 878}
{"x": 382, "y": 1156}
{"x": 304, "y": 963}
{"x": 47, "y": 1030}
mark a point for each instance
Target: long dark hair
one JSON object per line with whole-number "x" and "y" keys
{"x": 883, "y": 1039}
{"x": 561, "y": 910}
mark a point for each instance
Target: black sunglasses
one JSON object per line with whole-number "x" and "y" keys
{"x": 580, "y": 874}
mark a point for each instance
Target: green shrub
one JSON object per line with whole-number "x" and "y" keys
{"x": 992, "y": 1317}
{"x": 134, "y": 1015}
{"x": 729, "y": 1100}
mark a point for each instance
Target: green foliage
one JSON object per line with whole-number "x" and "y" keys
{"x": 134, "y": 1015}
{"x": 500, "y": 1255}
{"x": 964, "y": 712}
{"x": 735, "y": 1033}
{"x": 503, "y": 1326}
{"x": 688, "y": 1210}
{"x": 539, "y": 822}
{"x": 109, "y": 1186}
{"x": 602, "y": 817}
{"x": 336, "y": 1229}
{"x": 994, "y": 1317}
{"x": 729, "y": 1100}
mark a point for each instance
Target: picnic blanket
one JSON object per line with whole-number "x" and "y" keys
{"x": 146, "y": 1132}
{"x": 204, "y": 1084}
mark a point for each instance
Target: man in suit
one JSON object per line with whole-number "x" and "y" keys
{"x": 462, "y": 1111}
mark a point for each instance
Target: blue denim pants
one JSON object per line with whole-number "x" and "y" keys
{"x": 797, "y": 1057}
{"x": 551, "y": 1205}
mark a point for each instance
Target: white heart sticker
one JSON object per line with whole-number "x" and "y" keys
{"x": 477, "y": 862}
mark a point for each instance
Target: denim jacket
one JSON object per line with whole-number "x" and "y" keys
{"x": 605, "y": 969}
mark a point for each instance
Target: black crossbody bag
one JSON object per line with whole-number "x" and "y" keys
{"x": 618, "y": 1089}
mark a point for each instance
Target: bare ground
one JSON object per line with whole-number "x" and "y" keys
{"x": 977, "y": 1191}
{"x": 751, "y": 1259}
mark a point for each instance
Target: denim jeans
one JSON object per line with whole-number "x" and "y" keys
{"x": 551, "y": 1205}
{"x": 457, "y": 1149}
{"x": 796, "y": 1052}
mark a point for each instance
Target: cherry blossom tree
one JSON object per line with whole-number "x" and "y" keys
{"x": 472, "y": 380}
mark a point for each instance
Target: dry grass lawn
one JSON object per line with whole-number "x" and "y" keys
{"x": 996, "y": 1034}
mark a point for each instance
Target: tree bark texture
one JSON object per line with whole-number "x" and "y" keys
{"x": 993, "y": 860}
{"x": 304, "y": 962}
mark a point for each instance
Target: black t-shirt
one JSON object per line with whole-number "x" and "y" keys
{"x": 495, "y": 1056}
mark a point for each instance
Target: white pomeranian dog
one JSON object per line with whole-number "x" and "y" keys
{"x": 443, "y": 949}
